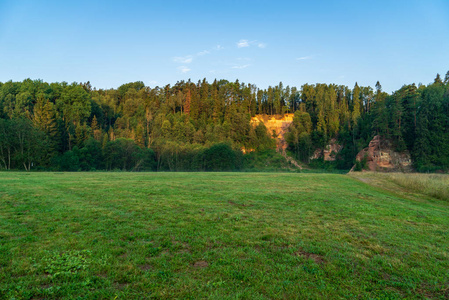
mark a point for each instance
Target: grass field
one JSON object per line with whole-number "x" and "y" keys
{"x": 219, "y": 235}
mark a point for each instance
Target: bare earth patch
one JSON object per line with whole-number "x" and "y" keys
{"x": 315, "y": 257}
{"x": 145, "y": 267}
{"x": 201, "y": 264}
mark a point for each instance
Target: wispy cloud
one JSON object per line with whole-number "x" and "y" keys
{"x": 242, "y": 44}
{"x": 152, "y": 82}
{"x": 241, "y": 66}
{"x": 188, "y": 59}
{"x": 183, "y": 59}
{"x": 304, "y": 57}
{"x": 247, "y": 43}
{"x": 204, "y": 52}
{"x": 184, "y": 69}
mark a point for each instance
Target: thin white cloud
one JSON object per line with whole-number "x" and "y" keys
{"x": 218, "y": 47}
{"x": 241, "y": 66}
{"x": 183, "y": 59}
{"x": 247, "y": 43}
{"x": 204, "y": 52}
{"x": 184, "y": 69}
{"x": 243, "y": 44}
{"x": 305, "y": 57}
{"x": 152, "y": 82}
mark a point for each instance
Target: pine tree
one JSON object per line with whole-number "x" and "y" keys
{"x": 187, "y": 103}
{"x": 95, "y": 129}
{"x": 378, "y": 87}
{"x": 333, "y": 120}
{"x": 139, "y": 136}
{"x": 82, "y": 134}
{"x": 321, "y": 123}
{"x": 421, "y": 151}
{"x": 44, "y": 118}
{"x": 356, "y": 104}
{"x": 94, "y": 124}
{"x": 396, "y": 111}
{"x": 446, "y": 78}
{"x": 380, "y": 118}
{"x": 410, "y": 103}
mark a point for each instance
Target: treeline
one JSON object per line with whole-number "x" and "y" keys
{"x": 134, "y": 127}
{"x": 195, "y": 126}
{"x": 413, "y": 118}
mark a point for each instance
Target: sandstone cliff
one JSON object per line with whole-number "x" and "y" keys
{"x": 277, "y": 124}
{"x": 329, "y": 153}
{"x": 380, "y": 156}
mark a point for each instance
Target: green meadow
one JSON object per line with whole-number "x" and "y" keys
{"x": 220, "y": 236}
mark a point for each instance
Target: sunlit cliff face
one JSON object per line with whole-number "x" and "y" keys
{"x": 277, "y": 126}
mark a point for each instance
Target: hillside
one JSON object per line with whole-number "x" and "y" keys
{"x": 61, "y": 126}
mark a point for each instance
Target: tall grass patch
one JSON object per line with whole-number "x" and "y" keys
{"x": 434, "y": 185}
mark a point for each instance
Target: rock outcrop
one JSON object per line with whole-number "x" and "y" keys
{"x": 277, "y": 124}
{"x": 380, "y": 156}
{"x": 329, "y": 153}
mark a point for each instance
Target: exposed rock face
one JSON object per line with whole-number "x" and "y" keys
{"x": 329, "y": 153}
{"x": 277, "y": 124}
{"x": 380, "y": 156}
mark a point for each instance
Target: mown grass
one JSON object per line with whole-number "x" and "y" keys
{"x": 217, "y": 235}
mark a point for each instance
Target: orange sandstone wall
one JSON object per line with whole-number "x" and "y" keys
{"x": 277, "y": 124}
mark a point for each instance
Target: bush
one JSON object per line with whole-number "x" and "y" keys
{"x": 266, "y": 160}
{"x": 69, "y": 161}
{"x": 220, "y": 157}
{"x": 126, "y": 155}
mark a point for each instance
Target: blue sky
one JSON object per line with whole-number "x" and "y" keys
{"x": 262, "y": 42}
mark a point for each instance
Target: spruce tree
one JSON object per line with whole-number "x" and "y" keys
{"x": 356, "y": 106}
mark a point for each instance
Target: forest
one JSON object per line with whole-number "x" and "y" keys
{"x": 204, "y": 126}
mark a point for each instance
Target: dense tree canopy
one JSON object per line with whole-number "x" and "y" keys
{"x": 194, "y": 126}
